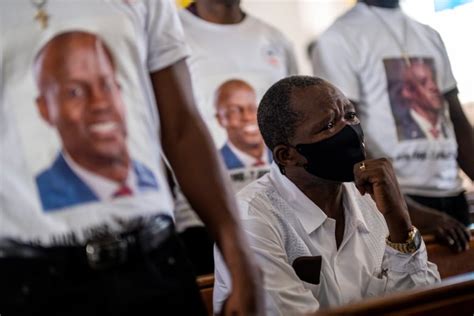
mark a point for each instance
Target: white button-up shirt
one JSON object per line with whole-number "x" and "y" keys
{"x": 282, "y": 224}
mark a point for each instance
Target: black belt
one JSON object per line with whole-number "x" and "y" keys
{"x": 110, "y": 250}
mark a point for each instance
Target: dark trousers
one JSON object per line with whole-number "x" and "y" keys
{"x": 455, "y": 206}
{"x": 199, "y": 247}
{"x": 159, "y": 282}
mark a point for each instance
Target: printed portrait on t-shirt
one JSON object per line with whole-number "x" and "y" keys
{"x": 79, "y": 96}
{"x": 417, "y": 104}
{"x": 236, "y": 111}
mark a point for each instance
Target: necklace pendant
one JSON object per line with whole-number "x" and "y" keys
{"x": 42, "y": 17}
{"x": 407, "y": 59}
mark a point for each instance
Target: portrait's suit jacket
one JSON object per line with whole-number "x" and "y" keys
{"x": 232, "y": 161}
{"x": 59, "y": 186}
{"x": 408, "y": 128}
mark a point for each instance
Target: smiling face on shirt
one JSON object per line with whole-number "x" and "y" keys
{"x": 80, "y": 97}
{"x": 236, "y": 111}
{"x": 420, "y": 89}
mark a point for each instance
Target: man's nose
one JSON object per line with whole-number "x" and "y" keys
{"x": 249, "y": 114}
{"x": 99, "y": 99}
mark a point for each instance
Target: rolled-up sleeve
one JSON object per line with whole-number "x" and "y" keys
{"x": 406, "y": 271}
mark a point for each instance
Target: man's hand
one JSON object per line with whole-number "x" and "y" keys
{"x": 246, "y": 297}
{"x": 452, "y": 233}
{"x": 376, "y": 177}
{"x": 446, "y": 229}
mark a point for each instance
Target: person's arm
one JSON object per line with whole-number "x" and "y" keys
{"x": 445, "y": 228}
{"x": 192, "y": 155}
{"x": 403, "y": 270}
{"x": 464, "y": 133}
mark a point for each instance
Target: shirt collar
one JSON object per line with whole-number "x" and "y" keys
{"x": 245, "y": 158}
{"x": 308, "y": 213}
{"x": 425, "y": 125}
{"x": 101, "y": 186}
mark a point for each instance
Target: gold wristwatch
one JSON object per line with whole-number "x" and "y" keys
{"x": 411, "y": 245}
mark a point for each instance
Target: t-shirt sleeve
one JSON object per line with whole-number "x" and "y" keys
{"x": 166, "y": 44}
{"x": 446, "y": 80}
{"x": 333, "y": 60}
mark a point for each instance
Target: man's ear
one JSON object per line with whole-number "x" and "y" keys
{"x": 43, "y": 109}
{"x": 285, "y": 155}
{"x": 222, "y": 121}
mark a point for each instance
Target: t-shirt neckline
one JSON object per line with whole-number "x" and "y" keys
{"x": 246, "y": 21}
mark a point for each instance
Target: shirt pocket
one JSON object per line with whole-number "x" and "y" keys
{"x": 377, "y": 283}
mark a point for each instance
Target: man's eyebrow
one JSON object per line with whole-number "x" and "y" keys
{"x": 326, "y": 118}
{"x": 349, "y": 105}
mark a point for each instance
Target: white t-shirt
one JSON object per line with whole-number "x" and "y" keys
{"x": 251, "y": 51}
{"x": 143, "y": 37}
{"x": 360, "y": 56}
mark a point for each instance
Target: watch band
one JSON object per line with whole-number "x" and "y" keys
{"x": 412, "y": 243}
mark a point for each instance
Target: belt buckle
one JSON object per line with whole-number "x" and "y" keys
{"x": 106, "y": 253}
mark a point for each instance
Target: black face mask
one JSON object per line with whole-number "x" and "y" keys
{"x": 334, "y": 158}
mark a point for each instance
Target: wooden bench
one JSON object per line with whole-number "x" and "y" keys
{"x": 453, "y": 296}
{"x": 448, "y": 262}
{"x": 206, "y": 286}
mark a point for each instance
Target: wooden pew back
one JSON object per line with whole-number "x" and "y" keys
{"x": 450, "y": 263}
{"x": 206, "y": 286}
{"x": 453, "y": 296}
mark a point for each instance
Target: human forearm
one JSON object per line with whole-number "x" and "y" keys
{"x": 445, "y": 228}
{"x": 192, "y": 155}
{"x": 424, "y": 218}
{"x": 214, "y": 202}
{"x": 376, "y": 177}
{"x": 464, "y": 134}
{"x": 190, "y": 150}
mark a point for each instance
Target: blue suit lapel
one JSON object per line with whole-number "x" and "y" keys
{"x": 145, "y": 177}
{"x": 60, "y": 187}
{"x": 230, "y": 159}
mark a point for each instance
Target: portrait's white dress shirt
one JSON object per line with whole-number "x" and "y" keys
{"x": 283, "y": 224}
{"x": 428, "y": 128}
{"x": 101, "y": 186}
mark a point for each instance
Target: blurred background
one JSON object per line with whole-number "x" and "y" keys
{"x": 302, "y": 21}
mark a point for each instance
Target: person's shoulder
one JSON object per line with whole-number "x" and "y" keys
{"x": 350, "y": 21}
{"x": 186, "y": 17}
{"x": 425, "y": 30}
{"x": 267, "y": 28}
{"x": 253, "y": 199}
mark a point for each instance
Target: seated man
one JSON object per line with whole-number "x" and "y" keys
{"x": 328, "y": 226}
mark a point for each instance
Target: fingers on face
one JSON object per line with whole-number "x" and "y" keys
{"x": 369, "y": 172}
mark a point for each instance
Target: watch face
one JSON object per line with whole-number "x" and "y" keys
{"x": 416, "y": 240}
